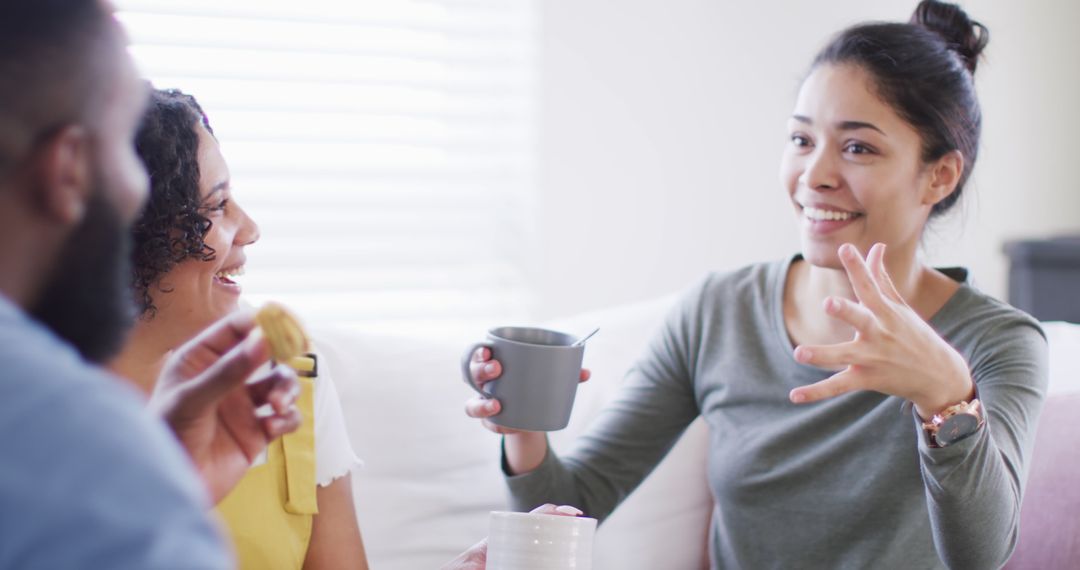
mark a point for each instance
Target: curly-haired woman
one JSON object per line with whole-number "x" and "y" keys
{"x": 294, "y": 508}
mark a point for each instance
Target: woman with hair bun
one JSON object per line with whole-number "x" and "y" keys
{"x": 866, "y": 410}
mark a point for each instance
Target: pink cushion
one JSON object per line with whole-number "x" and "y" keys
{"x": 1050, "y": 518}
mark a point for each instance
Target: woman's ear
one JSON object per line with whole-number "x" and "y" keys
{"x": 65, "y": 175}
{"x": 944, "y": 175}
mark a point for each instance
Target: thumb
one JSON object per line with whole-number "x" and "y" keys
{"x": 229, "y": 372}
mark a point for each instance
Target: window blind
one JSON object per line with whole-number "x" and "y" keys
{"x": 384, "y": 147}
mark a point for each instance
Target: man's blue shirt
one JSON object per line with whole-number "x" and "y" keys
{"x": 88, "y": 478}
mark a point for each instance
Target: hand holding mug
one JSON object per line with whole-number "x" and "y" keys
{"x": 548, "y": 538}
{"x": 537, "y": 370}
{"x": 476, "y": 557}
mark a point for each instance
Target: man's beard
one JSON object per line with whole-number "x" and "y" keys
{"x": 88, "y": 300}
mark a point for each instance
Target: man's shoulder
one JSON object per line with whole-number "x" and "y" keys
{"x": 56, "y": 401}
{"x": 40, "y": 373}
{"x": 87, "y": 469}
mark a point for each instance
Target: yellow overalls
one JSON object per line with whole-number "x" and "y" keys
{"x": 269, "y": 513}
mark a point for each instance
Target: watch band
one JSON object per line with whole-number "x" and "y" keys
{"x": 954, "y": 423}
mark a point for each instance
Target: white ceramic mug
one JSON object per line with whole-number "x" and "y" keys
{"x": 527, "y": 541}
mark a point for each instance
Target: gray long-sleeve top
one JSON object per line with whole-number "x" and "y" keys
{"x": 849, "y": 482}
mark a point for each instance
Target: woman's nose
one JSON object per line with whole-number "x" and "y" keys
{"x": 820, "y": 172}
{"x": 249, "y": 230}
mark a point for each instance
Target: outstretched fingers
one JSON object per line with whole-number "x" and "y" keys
{"x": 854, "y": 314}
{"x": 876, "y": 261}
{"x": 862, "y": 281}
{"x": 835, "y": 385}
{"x": 828, "y": 355}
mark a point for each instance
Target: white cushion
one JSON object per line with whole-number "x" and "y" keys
{"x": 431, "y": 475}
{"x": 1064, "y": 342}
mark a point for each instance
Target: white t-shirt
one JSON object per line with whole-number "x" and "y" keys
{"x": 334, "y": 455}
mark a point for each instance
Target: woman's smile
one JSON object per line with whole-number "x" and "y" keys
{"x": 224, "y": 279}
{"x": 822, "y": 219}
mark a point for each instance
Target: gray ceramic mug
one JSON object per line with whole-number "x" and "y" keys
{"x": 540, "y": 375}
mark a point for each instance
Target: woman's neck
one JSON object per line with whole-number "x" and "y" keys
{"x": 143, "y": 356}
{"x": 922, "y": 287}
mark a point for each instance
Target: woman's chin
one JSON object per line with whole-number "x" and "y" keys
{"x": 220, "y": 307}
{"x": 228, "y": 306}
{"x": 820, "y": 255}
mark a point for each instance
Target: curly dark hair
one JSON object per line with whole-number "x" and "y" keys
{"x": 172, "y": 226}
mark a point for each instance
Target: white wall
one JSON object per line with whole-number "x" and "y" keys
{"x": 662, "y": 124}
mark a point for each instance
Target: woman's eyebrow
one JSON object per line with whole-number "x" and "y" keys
{"x": 856, "y": 125}
{"x": 843, "y": 125}
{"x": 224, "y": 185}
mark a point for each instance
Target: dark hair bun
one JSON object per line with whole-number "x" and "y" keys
{"x": 965, "y": 36}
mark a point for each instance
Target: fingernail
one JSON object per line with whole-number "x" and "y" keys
{"x": 803, "y": 353}
{"x": 568, "y": 510}
{"x": 491, "y": 406}
{"x": 798, "y": 397}
{"x": 489, "y": 368}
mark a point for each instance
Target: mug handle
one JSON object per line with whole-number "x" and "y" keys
{"x": 466, "y": 358}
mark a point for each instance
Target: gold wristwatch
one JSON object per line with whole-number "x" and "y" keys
{"x": 954, "y": 423}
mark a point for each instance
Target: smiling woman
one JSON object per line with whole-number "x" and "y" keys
{"x": 189, "y": 243}
{"x": 800, "y": 366}
{"x": 855, "y": 170}
{"x": 191, "y": 216}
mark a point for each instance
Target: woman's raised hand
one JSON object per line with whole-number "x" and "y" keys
{"x": 894, "y": 351}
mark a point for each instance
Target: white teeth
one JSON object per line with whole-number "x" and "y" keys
{"x": 826, "y": 215}
{"x": 234, "y": 272}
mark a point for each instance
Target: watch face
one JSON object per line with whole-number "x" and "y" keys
{"x": 956, "y": 428}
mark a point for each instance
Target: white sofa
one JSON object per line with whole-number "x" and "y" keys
{"x": 431, "y": 475}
